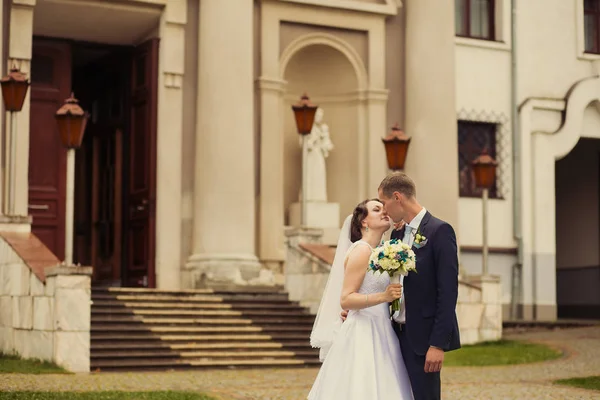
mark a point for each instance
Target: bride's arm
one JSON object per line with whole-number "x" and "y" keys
{"x": 356, "y": 267}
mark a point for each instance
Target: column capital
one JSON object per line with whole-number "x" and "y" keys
{"x": 268, "y": 84}
{"x": 373, "y": 94}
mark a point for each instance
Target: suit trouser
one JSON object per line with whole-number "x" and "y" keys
{"x": 425, "y": 386}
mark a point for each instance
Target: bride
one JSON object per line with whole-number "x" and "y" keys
{"x": 362, "y": 358}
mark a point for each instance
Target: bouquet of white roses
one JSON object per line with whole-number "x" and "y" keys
{"x": 395, "y": 258}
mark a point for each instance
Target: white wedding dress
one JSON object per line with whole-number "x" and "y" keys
{"x": 364, "y": 361}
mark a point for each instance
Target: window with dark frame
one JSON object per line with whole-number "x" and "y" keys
{"x": 475, "y": 19}
{"x": 591, "y": 21}
{"x": 473, "y": 138}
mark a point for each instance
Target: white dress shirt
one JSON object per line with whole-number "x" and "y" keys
{"x": 410, "y": 230}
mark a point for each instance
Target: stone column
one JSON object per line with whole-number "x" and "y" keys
{"x": 169, "y": 139}
{"x": 224, "y": 190}
{"x": 19, "y": 55}
{"x": 432, "y": 159}
{"x": 271, "y": 237}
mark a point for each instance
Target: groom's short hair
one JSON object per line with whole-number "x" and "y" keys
{"x": 398, "y": 182}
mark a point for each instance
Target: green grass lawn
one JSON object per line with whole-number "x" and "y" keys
{"x": 502, "y": 352}
{"x": 165, "y": 395}
{"x": 590, "y": 382}
{"x": 16, "y": 365}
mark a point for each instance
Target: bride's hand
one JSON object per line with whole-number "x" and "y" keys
{"x": 392, "y": 292}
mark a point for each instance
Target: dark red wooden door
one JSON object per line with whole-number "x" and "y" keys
{"x": 50, "y": 86}
{"x": 141, "y": 190}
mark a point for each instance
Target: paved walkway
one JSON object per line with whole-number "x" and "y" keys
{"x": 532, "y": 381}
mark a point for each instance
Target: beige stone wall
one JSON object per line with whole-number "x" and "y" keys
{"x": 47, "y": 321}
{"x": 395, "y": 50}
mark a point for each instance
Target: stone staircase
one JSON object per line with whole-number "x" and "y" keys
{"x": 148, "y": 329}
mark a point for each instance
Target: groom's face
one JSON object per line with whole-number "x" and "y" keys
{"x": 392, "y": 205}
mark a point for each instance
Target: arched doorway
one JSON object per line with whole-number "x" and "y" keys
{"x": 357, "y": 46}
{"x": 329, "y": 78}
{"x": 551, "y": 196}
{"x": 578, "y": 224}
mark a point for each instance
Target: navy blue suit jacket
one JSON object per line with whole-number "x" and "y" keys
{"x": 431, "y": 293}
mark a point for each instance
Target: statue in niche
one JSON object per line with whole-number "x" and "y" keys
{"x": 318, "y": 147}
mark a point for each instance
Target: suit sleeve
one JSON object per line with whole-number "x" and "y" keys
{"x": 446, "y": 270}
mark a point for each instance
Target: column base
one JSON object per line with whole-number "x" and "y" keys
{"x": 210, "y": 270}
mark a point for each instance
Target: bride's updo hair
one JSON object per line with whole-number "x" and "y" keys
{"x": 360, "y": 213}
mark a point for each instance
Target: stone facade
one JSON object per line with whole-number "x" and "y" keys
{"x": 45, "y": 320}
{"x": 368, "y": 64}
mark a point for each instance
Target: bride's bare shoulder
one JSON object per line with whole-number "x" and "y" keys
{"x": 358, "y": 254}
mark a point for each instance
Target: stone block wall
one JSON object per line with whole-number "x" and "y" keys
{"x": 480, "y": 315}
{"x": 478, "y": 309}
{"x": 45, "y": 317}
{"x": 305, "y": 276}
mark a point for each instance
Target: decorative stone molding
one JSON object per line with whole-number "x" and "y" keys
{"x": 173, "y": 80}
{"x": 15, "y": 223}
{"x": 267, "y": 84}
{"x": 29, "y": 3}
{"x": 580, "y": 96}
{"x": 389, "y": 7}
{"x": 22, "y": 64}
{"x": 320, "y": 38}
{"x": 355, "y": 97}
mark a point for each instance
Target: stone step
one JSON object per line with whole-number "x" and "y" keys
{"x": 126, "y": 346}
{"x": 195, "y": 298}
{"x": 147, "y": 329}
{"x": 206, "y": 329}
{"x": 224, "y": 290}
{"x": 101, "y": 311}
{"x": 154, "y": 364}
{"x": 199, "y": 306}
{"x": 228, "y": 337}
{"x": 203, "y": 321}
{"x": 214, "y": 354}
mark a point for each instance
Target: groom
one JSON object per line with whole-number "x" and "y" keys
{"x": 426, "y": 325}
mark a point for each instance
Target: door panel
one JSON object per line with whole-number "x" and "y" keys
{"x": 50, "y": 86}
{"x": 106, "y": 205}
{"x": 141, "y": 195}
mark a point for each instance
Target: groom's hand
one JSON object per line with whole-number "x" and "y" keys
{"x": 344, "y": 315}
{"x": 434, "y": 359}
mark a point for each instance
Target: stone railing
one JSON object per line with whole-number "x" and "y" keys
{"x": 44, "y": 306}
{"x": 305, "y": 274}
{"x": 478, "y": 309}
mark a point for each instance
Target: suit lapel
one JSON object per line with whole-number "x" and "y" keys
{"x": 421, "y": 229}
